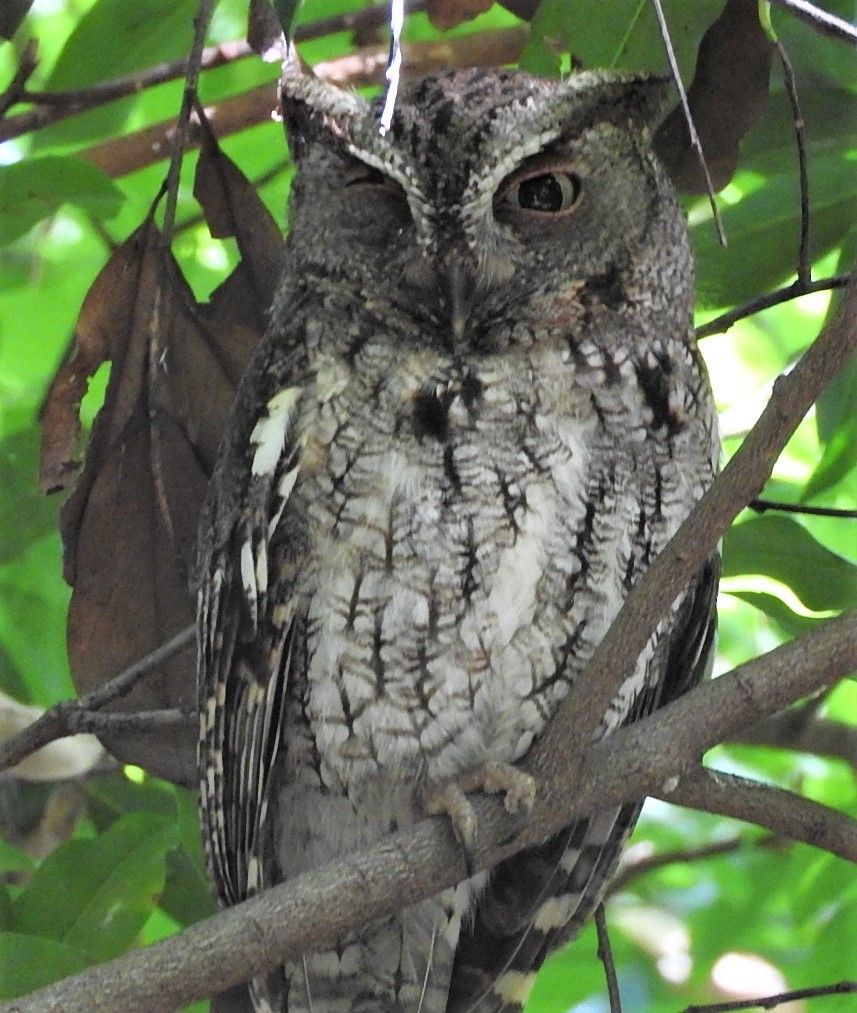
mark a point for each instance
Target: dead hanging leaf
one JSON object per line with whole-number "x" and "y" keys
{"x": 446, "y": 14}
{"x": 265, "y": 33}
{"x": 129, "y": 525}
{"x": 232, "y": 208}
{"x": 12, "y": 13}
{"x": 727, "y": 96}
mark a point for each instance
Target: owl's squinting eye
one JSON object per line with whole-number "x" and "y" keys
{"x": 361, "y": 174}
{"x": 549, "y": 193}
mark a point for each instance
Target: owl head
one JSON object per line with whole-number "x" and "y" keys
{"x": 491, "y": 192}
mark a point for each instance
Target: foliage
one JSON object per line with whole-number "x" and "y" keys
{"x": 132, "y": 869}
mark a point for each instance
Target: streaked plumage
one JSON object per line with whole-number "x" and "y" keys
{"x": 477, "y": 416}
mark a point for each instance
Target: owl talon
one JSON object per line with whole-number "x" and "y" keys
{"x": 450, "y": 798}
{"x": 518, "y": 788}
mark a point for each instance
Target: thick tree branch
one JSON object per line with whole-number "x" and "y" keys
{"x": 313, "y": 911}
{"x": 571, "y": 729}
{"x": 781, "y": 811}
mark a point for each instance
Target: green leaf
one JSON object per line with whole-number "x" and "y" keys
{"x": 286, "y": 11}
{"x": 29, "y": 962}
{"x": 118, "y": 37}
{"x": 13, "y": 859}
{"x": 25, "y": 514}
{"x": 624, "y": 34}
{"x": 538, "y": 58}
{"x": 37, "y": 188}
{"x": 109, "y": 886}
{"x": 763, "y": 230}
{"x": 775, "y": 608}
{"x": 112, "y": 39}
{"x": 781, "y": 548}
{"x": 837, "y": 460}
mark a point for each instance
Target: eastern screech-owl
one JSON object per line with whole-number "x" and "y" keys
{"x": 476, "y": 417}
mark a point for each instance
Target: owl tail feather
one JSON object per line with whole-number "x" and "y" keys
{"x": 536, "y": 901}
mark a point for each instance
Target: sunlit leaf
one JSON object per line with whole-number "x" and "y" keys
{"x": 775, "y": 608}
{"x": 28, "y": 962}
{"x": 36, "y": 189}
{"x": 781, "y": 548}
{"x": 109, "y": 887}
{"x": 763, "y": 230}
{"x": 111, "y": 39}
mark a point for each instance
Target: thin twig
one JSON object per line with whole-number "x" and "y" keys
{"x": 763, "y": 505}
{"x": 804, "y": 259}
{"x": 822, "y": 21}
{"x": 721, "y": 324}
{"x": 56, "y": 722}
{"x": 54, "y": 107}
{"x": 113, "y": 722}
{"x": 201, "y": 22}
{"x": 605, "y": 955}
{"x": 696, "y": 144}
{"x": 26, "y": 66}
{"x": 772, "y": 1001}
{"x": 687, "y": 856}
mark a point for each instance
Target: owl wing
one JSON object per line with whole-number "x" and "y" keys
{"x": 246, "y": 647}
{"x": 541, "y": 897}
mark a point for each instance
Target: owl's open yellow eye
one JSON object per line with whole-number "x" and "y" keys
{"x": 553, "y": 193}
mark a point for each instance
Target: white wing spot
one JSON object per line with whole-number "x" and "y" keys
{"x": 554, "y": 913}
{"x": 269, "y": 433}
{"x": 514, "y": 986}
{"x": 248, "y": 572}
{"x": 262, "y": 568}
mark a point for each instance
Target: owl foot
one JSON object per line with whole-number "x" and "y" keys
{"x": 450, "y": 797}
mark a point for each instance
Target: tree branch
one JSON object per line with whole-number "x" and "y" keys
{"x": 59, "y": 105}
{"x": 782, "y": 811}
{"x": 791, "y": 730}
{"x": 65, "y": 718}
{"x": 772, "y": 1001}
{"x": 822, "y": 21}
{"x": 122, "y": 155}
{"x": 721, "y": 324}
{"x": 571, "y": 729}
{"x": 314, "y": 910}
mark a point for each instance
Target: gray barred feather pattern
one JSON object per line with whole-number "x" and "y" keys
{"x": 477, "y": 416}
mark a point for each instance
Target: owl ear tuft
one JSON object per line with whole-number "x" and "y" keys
{"x": 641, "y": 100}
{"x": 315, "y": 110}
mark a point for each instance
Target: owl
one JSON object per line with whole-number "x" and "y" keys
{"x": 477, "y": 415}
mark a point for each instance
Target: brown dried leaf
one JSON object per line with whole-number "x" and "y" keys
{"x": 232, "y": 208}
{"x": 12, "y": 13}
{"x": 446, "y": 14}
{"x": 129, "y": 525}
{"x": 265, "y": 33}
{"x": 727, "y": 96}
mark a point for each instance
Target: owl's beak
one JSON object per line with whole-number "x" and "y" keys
{"x": 457, "y": 289}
